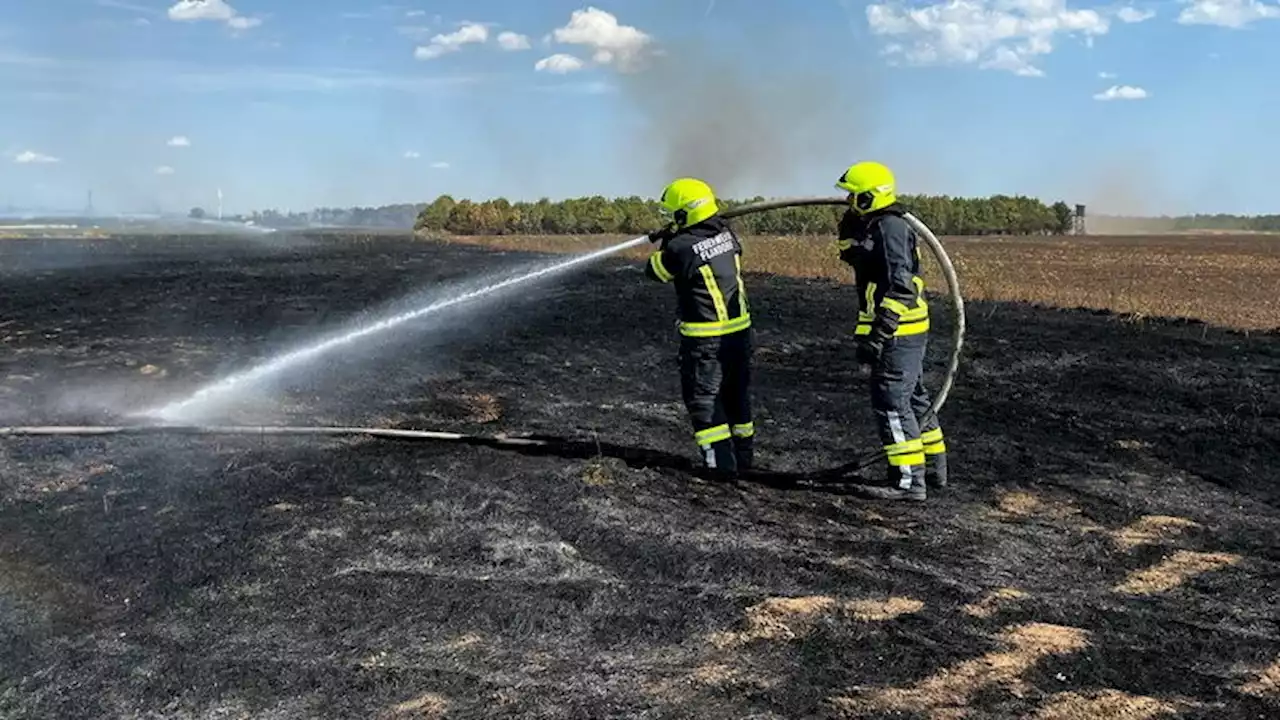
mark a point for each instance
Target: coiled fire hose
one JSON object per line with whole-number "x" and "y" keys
{"x": 534, "y": 444}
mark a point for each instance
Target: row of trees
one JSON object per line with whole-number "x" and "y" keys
{"x": 947, "y": 215}
{"x": 403, "y": 215}
{"x": 636, "y": 215}
{"x": 1252, "y": 223}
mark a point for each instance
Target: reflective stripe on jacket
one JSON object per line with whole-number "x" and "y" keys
{"x": 883, "y": 251}
{"x": 704, "y": 262}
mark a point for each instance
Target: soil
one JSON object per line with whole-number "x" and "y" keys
{"x": 1107, "y": 546}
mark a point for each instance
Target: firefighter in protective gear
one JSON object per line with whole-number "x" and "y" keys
{"x": 892, "y": 329}
{"x": 700, "y": 254}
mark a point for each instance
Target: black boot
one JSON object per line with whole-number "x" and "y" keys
{"x": 720, "y": 457}
{"x": 936, "y": 469}
{"x": 893, "y": 490}
{"x": 744, "y": 452}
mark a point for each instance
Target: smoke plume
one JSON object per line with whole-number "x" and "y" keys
{"x": 749, "y": 128}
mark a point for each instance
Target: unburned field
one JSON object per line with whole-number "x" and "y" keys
{"x": 1107, "y": 549}
{"x": 1218, "y": 278}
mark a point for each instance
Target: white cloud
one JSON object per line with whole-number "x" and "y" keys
{"x": 559, "y": 64}
{"x": 1227, "y": 13}
{"x": 1134, "y": 15}
{"x": 1107, "y": 75}
{"x": 452, "y": 42}
{"x": 192, "y": 10}
{"x": 440, "y": 165}
{"x": 1122, "y": 92}
{"x": 411, "y": 155}
{"x": 179, "y": 141}
{"x": 124, "y": 5}
{"x": 31, "y": 157}
{"x": 611, "y": 43}
{"x": 513, "y": 41}
{"x": 218, "y": 10}
{"x": 1003, "y": 35}
{"x": 416, "y": 13}
{"x": 164, "y": 170}
{"x": 241, "y": 22}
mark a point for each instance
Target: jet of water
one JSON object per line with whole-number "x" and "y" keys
{"x": 192, "y": 407}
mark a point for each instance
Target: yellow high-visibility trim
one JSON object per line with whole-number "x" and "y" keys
{"x": 909, "y": 452}
{"x": 907, "y": 460}
{"x": 920, "y": 312}
{"x": 655, "y": 262}
{"x": 906, "y": 446}
{"x": 744, "y": 430}
{"x": 715, "y": 329}
{"x": 712, "y": 435}
{"x": 933, "y": 442}
{"x": 895, "y": 306}
{"x": 713, "y": 287}
{"x": 914, "y": 328}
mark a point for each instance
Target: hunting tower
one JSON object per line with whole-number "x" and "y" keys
{"x": 1077, "y": 221}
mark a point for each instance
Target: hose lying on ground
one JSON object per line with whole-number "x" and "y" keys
{"x": 862, "y": 462}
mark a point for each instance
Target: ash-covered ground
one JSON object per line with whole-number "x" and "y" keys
{"x": 1108, "y": 547}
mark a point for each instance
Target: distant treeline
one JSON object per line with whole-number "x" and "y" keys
{"x": 1252, "y": 223}
{"x": 997, "y": 215}
{"x": 636, "y": 215}
{"x": 386, "y": 216}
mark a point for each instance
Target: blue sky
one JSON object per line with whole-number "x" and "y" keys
{"x": 154, "y": 104}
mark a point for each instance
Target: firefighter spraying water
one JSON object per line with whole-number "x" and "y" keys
{"x": 700, "y": 255}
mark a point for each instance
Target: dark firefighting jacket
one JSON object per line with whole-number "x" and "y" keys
{"x": 882, "y": 248}
{"x": 704, "y": 262}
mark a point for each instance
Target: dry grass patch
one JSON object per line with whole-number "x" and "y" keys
{"x": 1111, "y": 704}
{"x": 1267, "y": 684}
{"x": 994, "y": 601}
{"x": 883, "y": 610}
{"x": 597, "y": 474}
{"x": 1150, "y": 529}
{"x": 481, "y": 407}
{"x": 784, "y": 619}
{"x": 946, "y": 695}
{"x": 1022, "y": 504}
{"x": 1174, "y": 571}
{"x": 716, "y": 674}
{"x": 1145, "y": 276}
{"x": 430, "y": 705}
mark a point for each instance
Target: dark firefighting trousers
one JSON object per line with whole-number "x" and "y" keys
{"x": 715, "y": 380}
{"x": 900, "y": 400}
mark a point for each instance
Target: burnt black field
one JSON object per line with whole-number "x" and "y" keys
{"x": 1109, "y": 546}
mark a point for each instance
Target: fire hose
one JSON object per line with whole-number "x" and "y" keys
{"x": 535, "y": 444}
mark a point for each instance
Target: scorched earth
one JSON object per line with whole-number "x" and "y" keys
{"x": 1108, "y": 544}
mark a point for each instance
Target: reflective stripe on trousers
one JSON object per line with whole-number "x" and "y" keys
{"x": 899, "y": 399}
{"x": 715, "y": 381}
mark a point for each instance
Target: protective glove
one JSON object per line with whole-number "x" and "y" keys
{"x": 663, "y": 234}
{"x": 870, "y": 347}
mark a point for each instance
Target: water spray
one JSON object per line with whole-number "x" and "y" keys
{"x": 178, "y": 411}
{"x": 175, "y": 411}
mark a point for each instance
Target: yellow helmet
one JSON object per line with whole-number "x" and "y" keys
{"x": 870, "y": 186}
{"x": 688, "y": 201}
